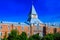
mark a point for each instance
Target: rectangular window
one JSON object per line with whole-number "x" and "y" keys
{"x": 8, "y": 27}
{"x": 37, "y": 28}
{"x": 55, "y": 30}
{"x": 28, "y": 28}
{"x": 22, "y": 28}
{"x": 0, "y": 33}
{"x": 0, "y": 39}
{"x": 35, "y": 32}
{"x": 0, "y": 27}
{"x": 28, "y": 34}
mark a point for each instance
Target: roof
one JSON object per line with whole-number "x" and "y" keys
{"x": 57, "y": 25}
{"x": 33, "y": 10}
{"x": 33, "y": 20}
{"x": 24, "y": 24}
{"x": 14, "y": 23}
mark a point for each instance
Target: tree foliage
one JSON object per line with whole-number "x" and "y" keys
{"x": 57, "y": 36}
{"x": 14, "y": 35}
{"x": 48, "y": 37}
{"x": 35, "y": 37}
{"x": 5, "y": 37}
{"x": 23, "y": 36}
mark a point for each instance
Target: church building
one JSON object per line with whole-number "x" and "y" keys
{"x": 32, "y": 26}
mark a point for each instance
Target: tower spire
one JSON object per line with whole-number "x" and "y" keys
{"x": 33, "y": 10}
{"x": 33, "y": 17}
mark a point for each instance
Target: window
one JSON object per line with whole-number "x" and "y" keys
{"x": 8, "y": 27}
{"x": 34, "y": 16}
{"x": 28, "y": 28}
{"x": 15, "y": 27}
{"x": 37, "y": 28}
{"x": 32, "y": 24}
{"x": 0, "y": 33}
{"x": 55, "y": 30}
{"x": 0, "y": 27}
{"x": 22, "y": 28}
{"x": 0, "y": 39}
{"x": 28, "y": 34}
{"x": 35, "y": 32}
{"x": 35, "y": 24}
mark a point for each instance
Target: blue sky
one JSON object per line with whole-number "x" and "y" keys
{"x": 18, "y": 10}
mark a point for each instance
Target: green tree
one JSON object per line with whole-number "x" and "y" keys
{"x": 48, "y": 37}
{"x": 31, "y": 38}
{"x": 13, "y": 35}
{"x": 57, "y": 36}
{"x": 35, "y": 37}
{"x": 5, "y": 37}
{"x": 23, "y": 36}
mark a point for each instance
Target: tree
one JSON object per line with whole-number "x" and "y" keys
{"x": 57, "y": 36}
{"x": 23, "y": 36}
{"x": 13, "y": 35}
{"x": 5, "y": 37}
{"x": 48, "y": 37}
{"x": 35, "y": 37}
{"x": 31, "y": 38}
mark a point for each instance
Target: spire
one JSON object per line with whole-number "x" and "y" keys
{"x": 33, "y": 10}
{"x": 33, "y": 17}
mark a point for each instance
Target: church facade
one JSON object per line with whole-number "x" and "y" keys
{"x": 32, "y": 26}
